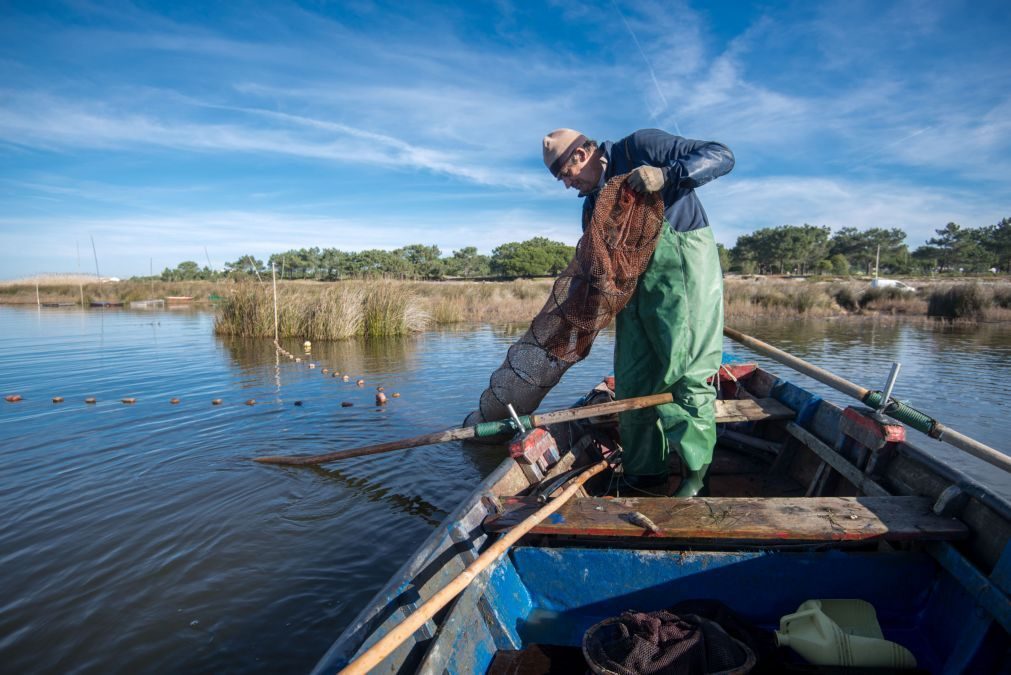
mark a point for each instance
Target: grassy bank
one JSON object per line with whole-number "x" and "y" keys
{"x": 337, "y": 310}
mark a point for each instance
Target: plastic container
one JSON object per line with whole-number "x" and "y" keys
{"x": 841, "y": 633}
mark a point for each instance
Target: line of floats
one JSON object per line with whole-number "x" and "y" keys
{"x": 381, "y": 398}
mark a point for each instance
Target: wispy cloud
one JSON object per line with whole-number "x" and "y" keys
{"x": 382, "y": 128}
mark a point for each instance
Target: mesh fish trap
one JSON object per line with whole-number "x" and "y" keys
{"x": 613, "y": 252}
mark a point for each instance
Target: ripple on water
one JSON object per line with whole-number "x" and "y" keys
{"x": 141, "y": 538}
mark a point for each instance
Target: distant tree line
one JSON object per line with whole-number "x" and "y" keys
{"x": 534, "y": 257}
{"x": 806, "y": 249}
{"x": 786, "y": 249}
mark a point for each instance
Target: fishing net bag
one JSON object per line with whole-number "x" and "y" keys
{"x": 640, "y": 643}
{"x": 613, "y": 252}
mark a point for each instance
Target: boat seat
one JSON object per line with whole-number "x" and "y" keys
{"x": 737, "y": 519}
{"x": 752, "y": 410}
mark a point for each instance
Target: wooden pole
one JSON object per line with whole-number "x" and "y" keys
{"x": 38, "y": 300}
{"x": 80, "y": 284}
{"x": 945, "y": 433}
{"x": 463, "y": 433}
{"x": 273, "y": 274}
{"x": 381, "y": 649}
{"x": 95, "y": 251}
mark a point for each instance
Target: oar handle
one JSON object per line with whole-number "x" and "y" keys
{"x": 483, "y": 429}
{"x": 914, "y": 418}
{"x": 393, "y": 639}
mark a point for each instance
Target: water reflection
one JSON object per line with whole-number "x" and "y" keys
{"x": 412, "y": 505}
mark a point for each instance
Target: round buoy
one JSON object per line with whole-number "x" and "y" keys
{"x": 57, "y": 399}
{"x": 173, "y": 401}
{"x": 298, "y": 360}
{"x": 346, "y": 378}
{"x": 216, "y": 401}
{"x": 380, "y": 398}
{"x": 312, "y": 365}
{"x": 129, "y": 401}
{"x": 326, "y": 370}
{"x": 335, "y": 374}
{"x": 91, "y": 399}
{"x": 307, "y": 345}
{"x": 395, "y": 395}
{"x": 251, "y": 401}
{"x": 380, "y": 388}
{"x": 12, "y": 398}
{"x": 346, "y": 404}
{"x": 360, "y": 383}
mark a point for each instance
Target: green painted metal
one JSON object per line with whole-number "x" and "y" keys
{"x": 903, "y": 413}
{"x": 499, "y": 427}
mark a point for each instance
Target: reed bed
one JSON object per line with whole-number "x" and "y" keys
{"x": 327, "y": 311}
{"x": 331, "y": 312}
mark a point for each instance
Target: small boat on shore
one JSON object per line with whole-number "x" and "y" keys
{"x": 808, "y": 500}
{"x": 146, "y": 304}
{"x": 106, "y": 303}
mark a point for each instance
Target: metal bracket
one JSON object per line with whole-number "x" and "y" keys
{"x": 516, "y": 418}
{"x": 892, "y": 376}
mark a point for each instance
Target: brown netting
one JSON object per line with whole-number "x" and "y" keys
{"x": 639, "y": 643}
{"x": 613, "y": 252}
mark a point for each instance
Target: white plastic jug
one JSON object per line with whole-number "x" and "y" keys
{"x": 841, "y": 633}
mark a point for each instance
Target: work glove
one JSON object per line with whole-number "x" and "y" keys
{"x": 646, "y": 179}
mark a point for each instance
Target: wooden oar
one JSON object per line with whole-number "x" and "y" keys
{"x": 477, "y": 431}
{"x": 381, "y": 649}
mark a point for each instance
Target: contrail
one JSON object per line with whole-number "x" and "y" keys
{"x": 649, "y": 65}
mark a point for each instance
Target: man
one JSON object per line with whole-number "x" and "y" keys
{"x": 669, "y": 337}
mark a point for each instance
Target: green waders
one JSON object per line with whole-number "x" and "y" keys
{"x": 669, "y": 338}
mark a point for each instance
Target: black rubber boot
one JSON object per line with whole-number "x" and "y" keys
{"x": 694, "y": 483}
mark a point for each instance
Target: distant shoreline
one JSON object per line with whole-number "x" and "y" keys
{"x": 436, "y": 303}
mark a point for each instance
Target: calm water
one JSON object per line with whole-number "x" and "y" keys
{"x": 143, "y": 538}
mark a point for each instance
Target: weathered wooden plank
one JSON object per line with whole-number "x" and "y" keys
{"x": 837, "y": 461}
{"x": 747, "y": 519}
{"x": 744, "y": 410}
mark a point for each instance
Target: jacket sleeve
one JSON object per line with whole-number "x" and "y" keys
{"x": 686, "y": 163}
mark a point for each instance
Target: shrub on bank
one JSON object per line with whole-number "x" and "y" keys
{"x": 966, "y": 301}
{"x": 847, "y": 298}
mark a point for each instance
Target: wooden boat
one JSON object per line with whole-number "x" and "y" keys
{"x": 821, "y": 502}
{"x": 178, "y": 299}
{"x": 105, "y": 303}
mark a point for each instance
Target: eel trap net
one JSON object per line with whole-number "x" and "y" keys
{"x": 613, "y": 252}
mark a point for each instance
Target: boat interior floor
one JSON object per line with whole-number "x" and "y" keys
{"x": 732, "y": 474}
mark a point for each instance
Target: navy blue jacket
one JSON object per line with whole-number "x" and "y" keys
{"x": 686, "y": 164}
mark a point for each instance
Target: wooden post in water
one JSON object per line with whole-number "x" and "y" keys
{"x": 273, "y": 274}
{"x": 38, "y": 301}
{"x": 80, "y": 284}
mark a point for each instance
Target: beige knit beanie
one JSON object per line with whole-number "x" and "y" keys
{"x": 559, "y": 146}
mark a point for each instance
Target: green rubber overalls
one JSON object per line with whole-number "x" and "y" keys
{"x": 669, "y": 338}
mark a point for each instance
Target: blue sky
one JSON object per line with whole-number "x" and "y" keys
{"x": 164, "y": 128}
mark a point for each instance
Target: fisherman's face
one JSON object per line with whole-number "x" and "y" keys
{"x": 582, "y": 172}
